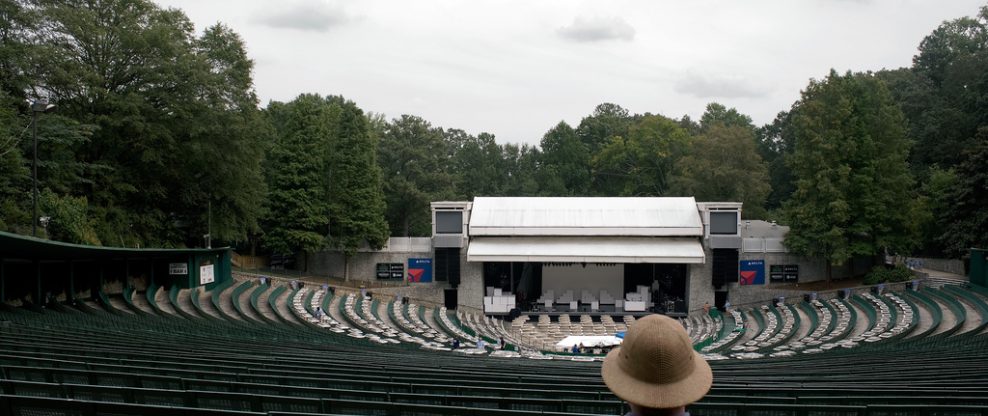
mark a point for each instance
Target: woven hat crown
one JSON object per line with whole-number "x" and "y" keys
{"x": 657, "y": 350}
{"x": 656, "y": 367}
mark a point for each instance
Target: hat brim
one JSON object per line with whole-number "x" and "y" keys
{"x": 662, "y": 396}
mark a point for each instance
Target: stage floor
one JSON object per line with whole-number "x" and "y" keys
{"x": 597, "y": 314}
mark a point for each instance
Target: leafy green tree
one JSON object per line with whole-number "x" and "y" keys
{"x": 565, "y": 163}
{"x": 944, "y": 99}
{"x": 477, "y": 166}
{"x": 154, "y": 125}
{"x": 414, "y": 162}
{"x": 521, "y": 169}
{"x": 642, "y": 163}
{"x": 67, "y": 219}
{"x": 226, "y": 143}
{"x": 717, "y": 114}
{"x": 608, "y": 120}
{"x": 297, "y": 213}
{"x": 853, "y": 187}
{"x": 775, "y": 145}
{"x": 356, "y": 199}
{"x": 14, "y": 173}
{"x": 16, "y": 25}
{"x": 722, "y": 164}
{"x": 931, "y": 203}
{"x": 965, "y": 219}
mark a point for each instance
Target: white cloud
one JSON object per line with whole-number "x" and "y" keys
{"x": 305, "y": 15}
{"x": 597, "y": 28}
{"x": 719, "y": 86}
{"x": 499, "y": 66}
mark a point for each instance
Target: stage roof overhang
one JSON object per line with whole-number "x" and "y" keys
{"x": 577, "y": 216}
{"x": 586, "y": 250}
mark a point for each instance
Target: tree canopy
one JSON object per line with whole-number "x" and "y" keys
{"x": 159, "y": 139}
{"x": 853, "y": 186}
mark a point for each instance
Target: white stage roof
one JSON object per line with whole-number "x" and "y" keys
{"x": 585, "y": 217}
{"x": 586, "y": 250}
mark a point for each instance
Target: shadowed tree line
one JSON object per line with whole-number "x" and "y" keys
{"x": 159, "y": 139}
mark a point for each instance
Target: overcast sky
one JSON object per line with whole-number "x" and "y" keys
{"x": 516, "y": 68}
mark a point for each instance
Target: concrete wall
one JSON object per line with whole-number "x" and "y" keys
{"x": 700, "y": 288}
{"x": 762, "y": 295}
{"x": 943, "y": 265}
{"x": 421, "y": 293}
{"x": 811, "y": 270}
{"x": 470, "y": 293}
{"x": 363, "y": 265}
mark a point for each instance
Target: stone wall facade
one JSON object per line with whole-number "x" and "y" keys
{"x": 944, "y": 265}
{"x": 363, "y": 265}
{"x": 699, "y": 288}
{"x": 470, "y": 293}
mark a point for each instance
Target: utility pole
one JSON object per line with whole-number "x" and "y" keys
{"x": 37, "y": 107}
{"x": 209, "y": 223}
{"x": 34, "y": 174}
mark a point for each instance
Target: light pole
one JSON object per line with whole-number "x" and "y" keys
{"x": 37, "y": 107}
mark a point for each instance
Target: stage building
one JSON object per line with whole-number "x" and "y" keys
{"x": 613, "y": 255}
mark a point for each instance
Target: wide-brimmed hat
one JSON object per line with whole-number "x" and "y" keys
{"x": 656, "y": 365}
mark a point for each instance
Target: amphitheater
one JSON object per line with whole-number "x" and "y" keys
{"x": 251, "y": 348}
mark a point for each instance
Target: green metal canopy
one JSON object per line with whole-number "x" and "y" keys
{"x": 37, "y": 253}
{"x": 15, "y": 246}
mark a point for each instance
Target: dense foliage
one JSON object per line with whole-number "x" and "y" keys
{"x": 881, "y": 274}
{"x": 158, "y": 139}
{"x": 853, "y": 188}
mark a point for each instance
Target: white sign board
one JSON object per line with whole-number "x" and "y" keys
{"x": 206, "y": 274}
{"x": 178, "y": 268}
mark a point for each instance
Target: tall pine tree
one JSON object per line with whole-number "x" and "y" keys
{"x": 853, "y": 187}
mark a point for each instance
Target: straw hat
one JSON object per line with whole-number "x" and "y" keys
{"x": 656, "y": 366}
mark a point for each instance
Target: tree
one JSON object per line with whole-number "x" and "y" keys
{"x": 945, "y": 101}
{"x": 565, "y": 162}
{"x": 14, "y": 174}
{"x": 297, "y": 213}
{"x": 521, "y": 168}
{"x": 717, "y": 114}
{"x": 965, "y": 219}
{"x": 477, "y": 166}
{"x": 853, "y": 186}
{"x": 608, "y": 120}
{"x": 356, "y": 200}
{"x": 227, "y": 142}
{"x": 414, "y": 163}
{"x": 775, "y": 145}
{"x": 156, "y": 125}
{"x": 641, "y": 164}
{"x": 16, "y": 26}
{"x": 722, "y": 164}
{"x": 67, "y": 219}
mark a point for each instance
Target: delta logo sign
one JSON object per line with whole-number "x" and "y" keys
{"x": 752, "y": 272}
{"x": 419, "y": 270}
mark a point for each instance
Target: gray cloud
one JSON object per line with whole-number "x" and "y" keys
{"x": 598, "y": 28}
{"x": 307, "y": 15}
{"x": 711, "y": 86}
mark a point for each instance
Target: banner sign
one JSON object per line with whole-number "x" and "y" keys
{"x": 206, "y": 274}
{"x": 752, "y": 272}
{"x": 390, "y": 271}
{"x": 775, "y": 273}
{"x": 420, "y": 270}
{"x": 383, "y": 271}
{"x": 178, "y": 268}
{"x": 784, "y": 272}
{"x": 791, "y": 272}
